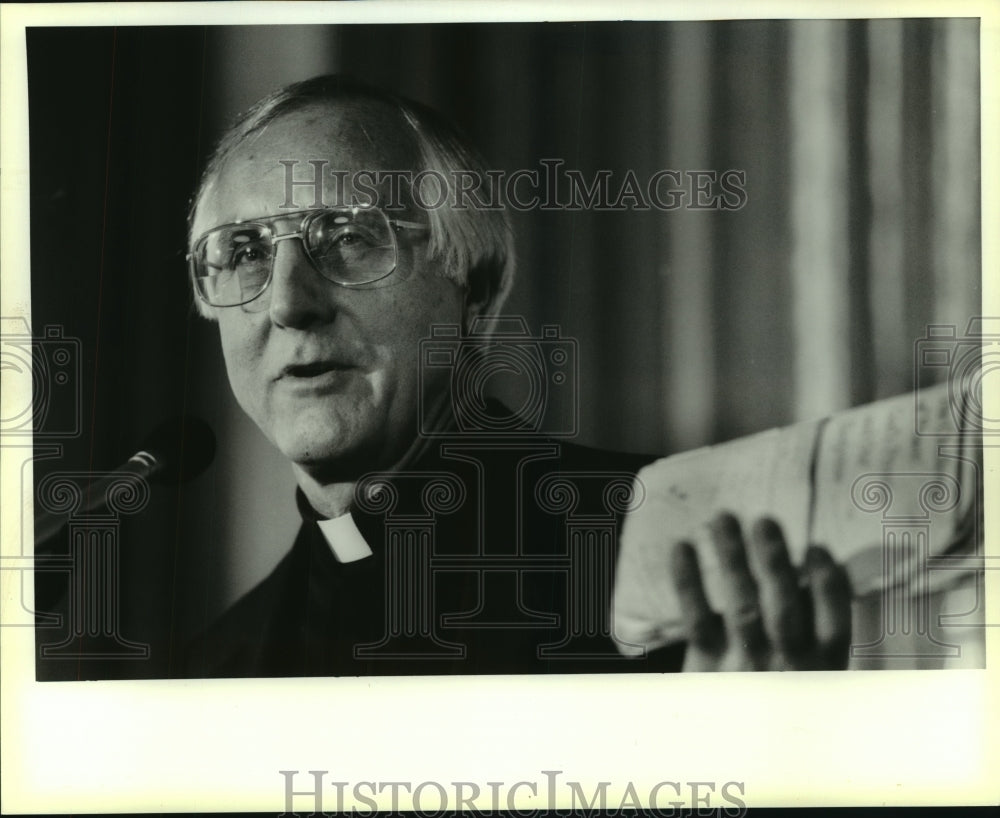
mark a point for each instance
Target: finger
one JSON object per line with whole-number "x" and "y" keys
{"x": 786, "y": 619}
{"x": 703, "y": 625}
{"x": 740, "y": 607}
{"x": 831, "y": 594}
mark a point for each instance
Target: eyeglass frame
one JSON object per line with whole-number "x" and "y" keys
{"x": 306, "y": 217}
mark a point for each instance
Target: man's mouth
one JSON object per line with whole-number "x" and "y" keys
{"x": 314, "y": 373}
{"x": 312, "y": 369}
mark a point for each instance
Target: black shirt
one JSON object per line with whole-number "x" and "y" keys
{"x": 487, "y": 558}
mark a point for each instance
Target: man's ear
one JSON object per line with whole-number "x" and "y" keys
{"x": 473, "y": 309}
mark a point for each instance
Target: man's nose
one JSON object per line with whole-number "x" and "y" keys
{"x": 299, "y": 295}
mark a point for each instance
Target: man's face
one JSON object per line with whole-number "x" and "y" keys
{"x": 329, "y": 373}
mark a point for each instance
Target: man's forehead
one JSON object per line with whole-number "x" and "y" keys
{"x": 275, "y": 167}
{"x": 346, "y": 132}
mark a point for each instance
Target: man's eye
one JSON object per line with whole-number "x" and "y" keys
{"x": 344, "y": 239}
{"x": 248, "y": 255}
{"x": 329, "y": 236}
{"x": 351, "y": 236}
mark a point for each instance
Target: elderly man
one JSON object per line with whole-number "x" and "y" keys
{"x": 422, "y": 549}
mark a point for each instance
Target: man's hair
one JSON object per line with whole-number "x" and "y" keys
{"x": 474, "y": 245}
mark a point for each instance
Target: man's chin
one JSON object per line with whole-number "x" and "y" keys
{"x": 329, "y": 457}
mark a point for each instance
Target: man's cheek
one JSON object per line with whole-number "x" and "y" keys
{"x": 250, "y": 393}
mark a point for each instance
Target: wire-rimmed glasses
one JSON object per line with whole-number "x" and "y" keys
{"x": 351, "y": 246}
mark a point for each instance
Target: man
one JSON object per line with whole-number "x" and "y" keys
{"x": 424, "y": 549}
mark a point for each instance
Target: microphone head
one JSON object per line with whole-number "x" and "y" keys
{"x": 182, "y": 447}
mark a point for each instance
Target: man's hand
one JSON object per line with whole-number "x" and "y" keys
{"x": 772, "y": 617}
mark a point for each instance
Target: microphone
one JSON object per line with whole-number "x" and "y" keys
{"x": 176, "y": 451}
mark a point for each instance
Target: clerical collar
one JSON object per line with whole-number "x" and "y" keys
{"x": 341, "y": 533}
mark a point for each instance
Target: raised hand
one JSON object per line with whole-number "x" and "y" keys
{"x": 772, "y": 617}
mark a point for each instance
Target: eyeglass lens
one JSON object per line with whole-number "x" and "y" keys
{"x": 233, "y": 263}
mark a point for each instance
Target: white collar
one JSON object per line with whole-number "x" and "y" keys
{"x": 344, "y": 539}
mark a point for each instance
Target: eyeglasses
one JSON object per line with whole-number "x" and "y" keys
{"x": 351, "y": 246}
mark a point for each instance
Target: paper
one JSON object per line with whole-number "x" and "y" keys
{"x": 867, "y": 484}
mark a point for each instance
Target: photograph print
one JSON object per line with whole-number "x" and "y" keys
{"x": 509, "y": 348}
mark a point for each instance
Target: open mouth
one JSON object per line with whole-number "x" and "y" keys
{"x": 311, "y": 370}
